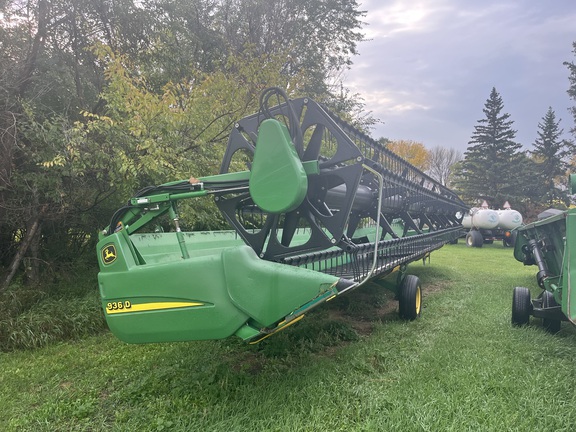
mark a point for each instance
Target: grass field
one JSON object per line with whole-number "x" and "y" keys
{"x": 351, "y": 366}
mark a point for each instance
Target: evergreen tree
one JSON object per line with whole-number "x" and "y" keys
{"x": 489, "y": 170}
{"x": 551, "y": 155}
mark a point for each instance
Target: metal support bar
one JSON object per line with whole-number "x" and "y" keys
{"x": 179, "y": 234}
{"x": 377, "y": 240}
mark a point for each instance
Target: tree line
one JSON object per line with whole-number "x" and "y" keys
{"x": 496, "y": 168}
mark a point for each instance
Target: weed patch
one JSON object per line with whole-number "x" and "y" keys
{"x": 32, "y": 317}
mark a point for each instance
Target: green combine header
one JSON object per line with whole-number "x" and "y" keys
{"x": 320, "y": 209}
{"x": 547, "y": 244}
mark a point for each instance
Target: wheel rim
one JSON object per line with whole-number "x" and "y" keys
{"x": 418, "y": 301}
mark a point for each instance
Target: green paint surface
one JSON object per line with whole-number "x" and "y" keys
{"x": 223, "y": 288}
{"x": 278, "y": 181}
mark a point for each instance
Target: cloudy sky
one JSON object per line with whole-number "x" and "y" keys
{"x": 428, "y": 67}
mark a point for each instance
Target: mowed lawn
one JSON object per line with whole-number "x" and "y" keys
{"x": 352, "y": 365}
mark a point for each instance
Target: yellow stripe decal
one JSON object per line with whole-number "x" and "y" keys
{"x": 145, "y": 307}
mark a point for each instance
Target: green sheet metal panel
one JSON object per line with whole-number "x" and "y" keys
{"x": 278, "y": 181}
{"x": 568, "y": 300}
{"x": 268, "y": 291}
{"x": 169, "y": 299}
{"x": 214, "y": 294}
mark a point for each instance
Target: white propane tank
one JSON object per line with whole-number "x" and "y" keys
{"x": 509, "y": 219}
{"x": 484, "y": 218}
{"x": 467, "y": 221}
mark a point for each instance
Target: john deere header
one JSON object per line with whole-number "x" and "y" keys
{"x": 321, "y": 209}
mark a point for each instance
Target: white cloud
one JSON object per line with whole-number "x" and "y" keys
{"x": 390, "y": 18}
{"x": 390, "y": 102}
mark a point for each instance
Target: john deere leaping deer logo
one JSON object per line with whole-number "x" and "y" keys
{"x": 109, "y": 254}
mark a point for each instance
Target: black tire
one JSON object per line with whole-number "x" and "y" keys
{"x": 455, "y": 241}
{"x": 474, "y": 239}
{"x": 551, "y": 325}
{"x": 521, "y": 306}
{"x": 511, "y": 240}
{"x": 410, "y": 298}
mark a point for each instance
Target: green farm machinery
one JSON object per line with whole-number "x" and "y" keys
{"x": 547, "y": 244}
{"x": 318, "y": 209}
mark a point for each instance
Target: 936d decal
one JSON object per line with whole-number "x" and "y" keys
{"x": 127, "y": 306}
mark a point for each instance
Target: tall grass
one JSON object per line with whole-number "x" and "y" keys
{"x": 32, "y": 316}
{"x": 351, "y": 366}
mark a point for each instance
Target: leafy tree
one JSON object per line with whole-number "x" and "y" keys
{"x": 318, "y": 38}
{"x": 412, "y": 151}
{"x": 100, "y": 98}
{"x": 150, "y": 138}
{"x": 441, "y": 163}
{"x": 20, "y": 48}
{"x": 320, "y": 35}
{"x": 551, "y": 155}
{"x": 47, "y": 76}
{"x": 490, "y": 168}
